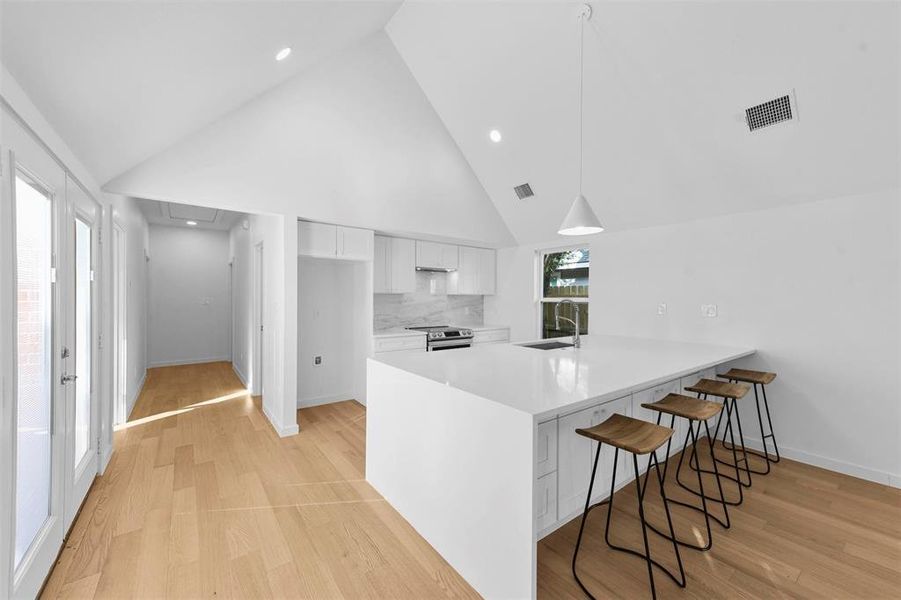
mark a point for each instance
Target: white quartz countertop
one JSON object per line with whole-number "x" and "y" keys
{"x": 546, "y": 383}
{"x": 397, "y": 332}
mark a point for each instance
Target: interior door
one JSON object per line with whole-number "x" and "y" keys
{"x": 80, "y": 354}
{"x": 36, "y": 194}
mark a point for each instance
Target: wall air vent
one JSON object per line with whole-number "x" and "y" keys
{"x": 778, "y": 110}
{"x": 524, "y": 191}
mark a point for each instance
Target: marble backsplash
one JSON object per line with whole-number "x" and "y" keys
{"x": 428, "y": 305}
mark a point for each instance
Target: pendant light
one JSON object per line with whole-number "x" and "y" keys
{"x": 581, "y": 220}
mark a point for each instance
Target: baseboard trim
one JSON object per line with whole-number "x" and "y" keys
{"x": 831, "y": 464}
{"x": 240, "y": 375}
{"x": 320, "y": 400}
{"x": 280, "y": 430}
{"x": 193, "y": 361}
{"x": 134, "y": 399}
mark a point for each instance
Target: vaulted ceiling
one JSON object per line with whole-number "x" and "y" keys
{"x": 167, "y": 99}
{"x": 123, "y": 80}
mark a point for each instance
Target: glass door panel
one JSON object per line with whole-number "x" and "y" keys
{"x": 82, "y": 346}
{"x": 34, "y": 372}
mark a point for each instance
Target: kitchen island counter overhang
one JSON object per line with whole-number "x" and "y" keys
{"x": 453, "y": 439}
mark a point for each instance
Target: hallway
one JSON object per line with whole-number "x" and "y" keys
{"x": 202, "y": 499}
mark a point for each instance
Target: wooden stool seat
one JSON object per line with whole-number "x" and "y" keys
{"x": 723, "y": 389}
{"x": 687, "y": 407}
{"x": 633, "y": 435}
{"x": 746, "y": 375}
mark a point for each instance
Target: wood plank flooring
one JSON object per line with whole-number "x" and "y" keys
{"x": 203, "y": 500}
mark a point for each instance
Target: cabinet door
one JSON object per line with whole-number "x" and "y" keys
{"x": 487, "y": 284}
{"x": 428, "y": 254}
{"x": 465, "y": 280}
{"x": 381, "y": 264}
{"x": 355, "y": 243}
{"x": 546, "y": 448}
{"x": 546, "y": 501}
{"x": 653, "y": 395}
{"x": 450, "y": 256}
{"x": 317, "y": 239}
{"x": 402, "y": 268}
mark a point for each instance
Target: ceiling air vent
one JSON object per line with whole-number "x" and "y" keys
{"x": 778, "y": 110}
{"x": 524, "y": 191}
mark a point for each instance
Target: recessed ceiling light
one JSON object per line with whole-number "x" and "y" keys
{"x": 495, "y": 136}
{"x": 191, "y": 223}
{"x": 283, "y": 54}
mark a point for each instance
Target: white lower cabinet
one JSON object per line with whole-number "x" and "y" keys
{"x": 546, "y": 448}
{"x": 693, "y": 379}
{"x": 575, "y": 457}
{"x": 680, "y": 427}
{"x": 546, "y": 501}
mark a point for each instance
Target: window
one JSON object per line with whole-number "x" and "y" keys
{"x": 564, "y": 275}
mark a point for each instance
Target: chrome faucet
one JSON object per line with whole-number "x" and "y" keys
{"x": 577, "y": 341}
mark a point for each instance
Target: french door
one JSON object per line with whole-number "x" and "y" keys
{"x": 51, "y": 357}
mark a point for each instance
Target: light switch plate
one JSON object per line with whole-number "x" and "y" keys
{"x": 661, "y": 308}
{"x": 317, "y": 361}
{"x": 709, "y": 310}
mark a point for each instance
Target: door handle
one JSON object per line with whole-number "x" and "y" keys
{"x": 67, "y": 379}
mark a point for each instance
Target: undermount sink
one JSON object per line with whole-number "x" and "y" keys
{"x": 547, "y": 345}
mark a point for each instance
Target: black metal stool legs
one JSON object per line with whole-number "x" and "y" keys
{"x": 764, "y": 436}
{"x": 729, "y": 407}
{"x": 609, "y": 502}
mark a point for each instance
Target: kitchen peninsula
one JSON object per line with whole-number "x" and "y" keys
{"x": 476, "y": 448}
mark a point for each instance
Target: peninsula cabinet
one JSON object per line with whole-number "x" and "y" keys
{"x": 575, "y": 457}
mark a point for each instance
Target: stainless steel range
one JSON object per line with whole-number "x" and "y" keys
{"x": 445, "y": 337}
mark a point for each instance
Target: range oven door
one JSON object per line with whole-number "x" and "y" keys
{"x": 449, "y": 344}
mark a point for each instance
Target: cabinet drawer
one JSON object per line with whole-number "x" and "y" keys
{"x": 492, "y": 335}
{"x": 394, "y": 344}
{"x": 546, "y": 501}
{"x": 546, "y": 448}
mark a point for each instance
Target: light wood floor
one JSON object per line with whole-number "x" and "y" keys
{"x": 202, "y": 499}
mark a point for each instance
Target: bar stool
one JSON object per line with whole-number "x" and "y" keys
{"x": 637, "y": 437}
{"x": 693, "y": 410}
{"x": 729, "y": 392}
{"x": 761, "y": 378}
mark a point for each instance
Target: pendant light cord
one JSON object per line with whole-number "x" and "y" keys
{"x": 581, "y": 96}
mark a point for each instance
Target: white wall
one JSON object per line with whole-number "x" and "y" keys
{"x": 190, "y": 304}
{"x": 128, "y": 216}
{"x": 239, "y": 252}
{"x": 351, "y": 141}
{"x": 325, "y": 327}
{"x": 814, "y": 287}
{"x": 279, "y": 377}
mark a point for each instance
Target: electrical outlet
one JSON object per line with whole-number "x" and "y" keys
{"x": 661, "y": 308}
{"x": 708, "y": 310}
{"x": 317, "y": 361}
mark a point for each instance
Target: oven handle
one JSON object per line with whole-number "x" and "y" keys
{"x": 449, "y": 344}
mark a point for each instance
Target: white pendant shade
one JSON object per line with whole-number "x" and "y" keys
{"x": 580, "y": 220}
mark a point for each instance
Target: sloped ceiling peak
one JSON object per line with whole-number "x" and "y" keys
{"x": 122, "y": 80}
{"x": 351, "y": 141}
{"x": 665, "y": 87}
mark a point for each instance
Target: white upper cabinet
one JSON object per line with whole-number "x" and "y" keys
{"x": 394, "y": 267}
{"x": 317, "y": 239}
{"x": 432, "y": 255}
{"x": 475, "y": 274}
{"x": 322, "y": 240}
{"x": 354, "y": 244}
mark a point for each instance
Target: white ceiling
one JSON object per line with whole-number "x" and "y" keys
{"x": 177, "y": 215}
{"x": 666, "y": 84}
{"x": 122, "y": 80}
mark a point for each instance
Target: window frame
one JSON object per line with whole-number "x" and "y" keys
{"x": 541, "y": 299}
